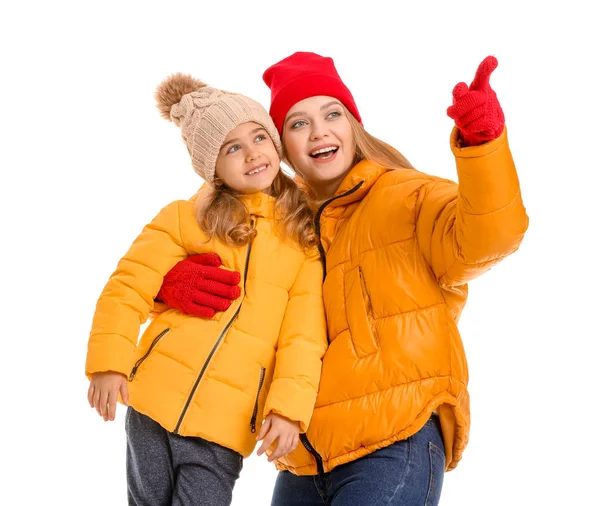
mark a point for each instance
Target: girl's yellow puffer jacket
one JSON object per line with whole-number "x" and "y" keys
{"x": 218, "y": 378}
{"x": 400, "y": 248}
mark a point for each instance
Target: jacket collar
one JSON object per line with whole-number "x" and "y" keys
{"x": 365, "y": 172}
{"x": 357, "y": 183}
{"x": 258, "y": 203}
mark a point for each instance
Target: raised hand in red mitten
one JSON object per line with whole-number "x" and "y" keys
{"x": 475, "y": 109}
{"x": 198, "y": 286}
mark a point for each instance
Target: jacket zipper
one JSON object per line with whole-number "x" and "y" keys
{"x": 318, "y": 224}
{"x": 315, "y": 454}
{"x": 255, "y": 411}
{"x": 304, "y": 437}
{"x": 145, "y": 356}
{"x": 217, "y": 343}
{"x": 318, "y": 230}
{"x": 363, "y": 285}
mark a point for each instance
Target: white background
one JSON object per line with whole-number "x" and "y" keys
{"x": 86, "y": 161}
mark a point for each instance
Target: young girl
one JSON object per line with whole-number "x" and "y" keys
{"x": 197, "y": 389}
{"x": 399, "y": 247}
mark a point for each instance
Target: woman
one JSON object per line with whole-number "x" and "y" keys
{"x": 398, "y": 247}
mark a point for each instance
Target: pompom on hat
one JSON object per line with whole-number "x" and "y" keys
{"x": 206, "y": 115}
{"x": 303, "y": 75}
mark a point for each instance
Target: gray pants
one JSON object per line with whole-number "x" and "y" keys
{"x": 166, "y": 469}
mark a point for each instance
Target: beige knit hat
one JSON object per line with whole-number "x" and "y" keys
{"x": 206, "y": 115}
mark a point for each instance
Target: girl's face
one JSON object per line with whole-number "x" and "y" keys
{"x": 319, "y": 143}
{"x": 247, "y": 161}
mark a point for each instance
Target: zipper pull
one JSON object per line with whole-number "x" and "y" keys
{"x": 132, "y": 373}
{"x": 253, "y": 425}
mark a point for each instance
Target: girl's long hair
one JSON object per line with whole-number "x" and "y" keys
{"x": 224, "y": 215}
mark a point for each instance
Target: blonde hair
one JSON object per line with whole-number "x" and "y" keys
{"x": 224, "y": 215}
{"x": 369, "y": 147}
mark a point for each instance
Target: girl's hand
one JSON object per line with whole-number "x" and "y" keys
{"x": 103, "y": 391}
{"x": 274, "y": 427}
{"x": 475, "y": 109}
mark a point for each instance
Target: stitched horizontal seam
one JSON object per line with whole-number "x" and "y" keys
{"x": 389, "y": 244}
{"x": 166, "y": 355}
{"x": 420, "y": 180}
{"x": 95, "y": 334}
{"x": 253, "y": 336}
{"x": 411, "y": 311}
{"x": 158, "y": 351}
{"x": 261, "y": 280}
{"x": 496, "y": 210}
{"x": 400, "y": 313}
{"x": 474, "y": 264}
{"x": 425, "y": 181}
{"x": 386, "y": 389}
{"x": 142, "y": 264}
{"x": 494, "y": 260}
{"x": 412, "y": 237}
{"x": 251, "y": 393}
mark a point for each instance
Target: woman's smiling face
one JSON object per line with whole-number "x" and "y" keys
{"x": 319, "y": 143}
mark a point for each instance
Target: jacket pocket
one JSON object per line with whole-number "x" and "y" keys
{"x": 359, "y": 313}
{"x": 147, "y": 354}
{"x": 261, "y": 380}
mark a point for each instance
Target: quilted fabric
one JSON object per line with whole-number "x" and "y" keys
{"x": 400, "y": 248}
{"x": 216, "y": 378}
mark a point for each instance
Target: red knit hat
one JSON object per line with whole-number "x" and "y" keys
{"x": 303, "y": 75}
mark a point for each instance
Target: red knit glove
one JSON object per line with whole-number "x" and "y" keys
{"x": 475, "y": 109}
{"x": 197, "y": 286}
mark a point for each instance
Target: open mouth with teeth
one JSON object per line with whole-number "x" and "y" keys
{"x": 257, "y": 170}
{"x": 324, "y": 153}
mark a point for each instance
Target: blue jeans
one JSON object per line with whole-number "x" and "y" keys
{"x": 407, "y": 473}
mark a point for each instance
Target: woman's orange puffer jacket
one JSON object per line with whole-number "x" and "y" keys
{"x": 400, "y": 248}
{"x": 218, "y": 378}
